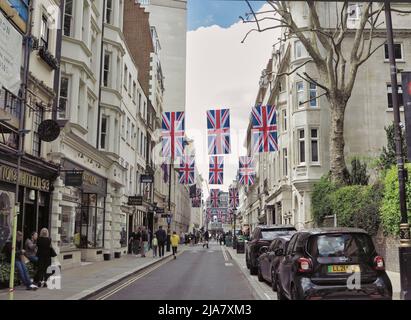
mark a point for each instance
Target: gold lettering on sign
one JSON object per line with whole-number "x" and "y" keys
{"x": 90, "y": 179}
{"x": 9, "y": 174}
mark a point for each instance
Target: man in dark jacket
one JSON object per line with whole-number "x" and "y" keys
{"x": 19, "y": 264}
{"x": 206, "y": 238}
{"x": 162, "y": 237}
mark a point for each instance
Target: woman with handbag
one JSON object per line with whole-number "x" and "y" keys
{"x": 44, "y": 252}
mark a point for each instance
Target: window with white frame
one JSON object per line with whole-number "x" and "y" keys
{"x": 300, "y": 94}
{"x": 389, "y": 96}
{"x": 68, "y": 18}
{"x": 106, "y": 68}
{"x": 64, "y": 98}
{"x": 44, "y": 32}
{"x": 314, "y": 146}
{"x": 353, "y": 11}
{"x": 129, "y": 84}
{"x": 284, "y": 118}
{"x": 313, "y": 95}
{"x": 141, "y": 143}
{"x": 301, "y": 146}
{"x": 134, "y": 91}
{"x": 123, "y": 126}
{"x": 138, "y": 139}
{"x": 398, "y": 52}
{"x": 133, "y": 134}
{"x": 128, "y": 130}
{"x": 285, "y": 162}
{"x": 37, "y": 120}
{"x": 109, "y": 11}
{"x": 299, "y": 50}
{"x": 103, "y": 133}
{"x": 125, "y": 77}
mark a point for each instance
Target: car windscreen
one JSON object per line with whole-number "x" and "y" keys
{"x": 273, "y": 233}
{"x": 340, "y": 245}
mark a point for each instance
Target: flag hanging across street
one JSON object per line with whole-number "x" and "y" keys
{"x": 216, "y": 174}
{"x": 247, "y": 171}
{"x": 234, "y": 198}
{"x": 214, "y": 197}
{"x": 218, "y": 125}
{"x": 173, "y": 126}
{"x": 186, "y": 170}
{"x": 264, "y": 129}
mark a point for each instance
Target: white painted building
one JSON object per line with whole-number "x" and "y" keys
{"x": 282, "y": 193}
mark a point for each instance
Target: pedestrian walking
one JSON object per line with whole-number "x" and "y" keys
{"x": 31, "y": 248}
{"x": 206, "y": 238}
{"x": 162, "y": 237}
{"x": 45, "y": 252}
{"x": 137, "y": 241}
{"x": 144, "y": 242}
{"x": 175, "y": 240}
{"x": 20, "y": 261}
{"x": 154, "y": 245}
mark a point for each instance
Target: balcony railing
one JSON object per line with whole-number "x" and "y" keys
{"x": 10, "y": 103}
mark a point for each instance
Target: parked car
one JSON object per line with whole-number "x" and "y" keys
{"x": 269, "y": 259}
{"x": 262, "y": 236}
{"x": 332, "y": 264}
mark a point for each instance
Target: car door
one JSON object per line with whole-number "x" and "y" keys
{"x": 253, "y": 246}
{"x": 287, "y": 265}
{"x": 270, "y": 259}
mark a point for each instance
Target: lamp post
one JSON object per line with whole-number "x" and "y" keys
{"x": 234, "y": 233}
{"x": 405, "y": 237}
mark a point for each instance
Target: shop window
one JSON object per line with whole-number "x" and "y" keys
{"x": 67, "y": 227}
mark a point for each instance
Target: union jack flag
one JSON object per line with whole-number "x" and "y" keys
{"x": 234, "y": 198}
{"x": 218, "y": 124}
{"x": 215, "y": 197}
{"x": 186, "y": 170}
{"x": 173, "y": 127}
{"x": 216, "y": 175}
{"x": 264, "y": 129}
{"x": 247, "y": 171}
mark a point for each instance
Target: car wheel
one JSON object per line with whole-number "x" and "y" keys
{"x": 259, "y": 274}
{"x": 273, "y": 280}
{"x": 280, "y": 294}
{"x": 294, "y": 293}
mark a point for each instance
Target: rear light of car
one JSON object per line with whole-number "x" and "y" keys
{"x": 305, "y": 265}
{"x": 379, "y": 263}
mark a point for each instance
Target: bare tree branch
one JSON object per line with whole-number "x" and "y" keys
{"x": 294, "y": 70}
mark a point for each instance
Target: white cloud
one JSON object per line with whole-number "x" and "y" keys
{"x": 222, "y": 72}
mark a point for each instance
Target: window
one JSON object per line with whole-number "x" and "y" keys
{"x": 133, "y": 133}
{"x": 106, "y": 69}
{"x": 129, "y": 84}
{"x": 301, "y": 146}
{"x": 123, "y": 126}
{"x": 109, "y": 11}
{"x": 44, "y": 33}
{"x": 134, "y": 91}
{"x": 389, "y": 96}
{"x": 313, "y": 95}
{"x": 353, "y": 11}
{"x": 282, "y": 84}
{"x": 138, "y": 138}
{"x": 139, "y": 102}
{"x": 125, "y": 76}
{"x": 314, "y": 145}
{"x": 128, "y": 130}
{"x": 298, "y": 49}
{"x": 68, "y": 18}
{"x": 300, "y": 93}
{"x": 397, "y": 51}
{"x": 141, "y": 143}
{"x": 63, "y": 101}
{"x": 37, "y": 119}
{"x": 284, "y": 112}
{"x": 104, "y": 131}
{"x": 285, "y": 162}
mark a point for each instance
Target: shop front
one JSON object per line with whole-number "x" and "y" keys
{"x": 34, "y": 197}
{"x": 83, "y": 211}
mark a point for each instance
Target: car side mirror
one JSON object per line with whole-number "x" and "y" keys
{"x": 279, "y": 252}
{"x": 263, "y": 250}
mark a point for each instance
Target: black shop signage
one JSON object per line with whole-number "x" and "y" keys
{"x": 91, "y": 182}
{"x": 135, "y": 201}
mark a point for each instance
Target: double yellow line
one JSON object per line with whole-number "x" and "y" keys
{"x": 134, "y": 279}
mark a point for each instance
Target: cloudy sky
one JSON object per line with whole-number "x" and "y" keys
{"x": 222, "y": 72}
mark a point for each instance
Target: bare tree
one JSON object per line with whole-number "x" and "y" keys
{"x": 336, "y": 69}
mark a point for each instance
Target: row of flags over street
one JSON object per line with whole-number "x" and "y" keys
{"x": 263, "y": 135}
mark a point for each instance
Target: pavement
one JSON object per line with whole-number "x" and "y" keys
{"x": 79, "y": 283}
{"x": 197, "y": 274}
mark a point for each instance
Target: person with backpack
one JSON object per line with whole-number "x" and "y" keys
{"x": 154, "y": 244}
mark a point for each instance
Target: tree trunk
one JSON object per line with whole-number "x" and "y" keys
{"x": 337, "y": 143}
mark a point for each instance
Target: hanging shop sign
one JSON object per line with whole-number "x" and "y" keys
{"x": 9, "y": 174}
{"x": 49, "y": 130}
{"x": 147, "y": 178}
{"x": 11, "y": 42}
{"x": 160, "y": 210}
{"x": 74, "y": 178}
{"x": 135, "y": 201}
{"x": 406, "y": 93}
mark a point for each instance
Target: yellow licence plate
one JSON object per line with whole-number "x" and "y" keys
{"x": 343, "y": 268}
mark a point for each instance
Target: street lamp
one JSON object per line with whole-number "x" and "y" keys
{"x": 234, "y": 233}
{"x": 405, "y": 237}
